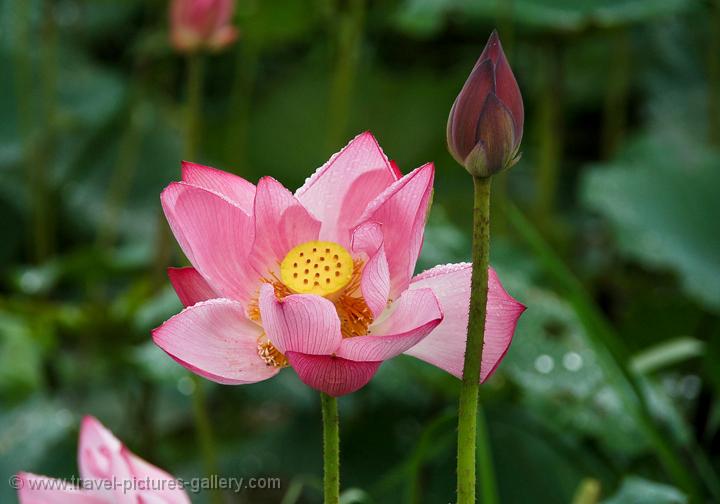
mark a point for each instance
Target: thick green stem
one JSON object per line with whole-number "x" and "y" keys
{"x": 467, "y": 421}
{"x": 331, "y": 449}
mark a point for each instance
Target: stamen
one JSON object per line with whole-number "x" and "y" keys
{"x": 271, "y": 355}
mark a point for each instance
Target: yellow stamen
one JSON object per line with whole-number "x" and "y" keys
{"x": 270, "y": 354}
{"x": 253, "y": 308}
{"x": 317, "y": 267}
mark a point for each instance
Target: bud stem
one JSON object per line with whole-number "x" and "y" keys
{"x": 468, "y": 407}
{"x": 331, "y": 449}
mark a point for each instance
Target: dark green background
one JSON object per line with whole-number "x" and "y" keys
{"x": 607, "y": 230}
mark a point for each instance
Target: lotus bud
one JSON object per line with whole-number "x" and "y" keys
{"x": 201, "y": 24}
{"x": 486, "y": 121}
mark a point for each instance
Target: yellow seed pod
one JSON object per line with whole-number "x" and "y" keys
{"x": 317, "y": 267}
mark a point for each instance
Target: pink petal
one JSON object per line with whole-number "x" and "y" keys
{"x": 402, "y": 211}
{"x": 234, "y": 188}
{"x": 462, "y": 130}
{"x": 41, "y": 490}
{"x": 163, "y": 488}
{"x": 375, "y": 281}
{"x": 96, "y": 449}
{"x": 506, "y": 87}
{"x": 445, "y": 346}
{"x": 414, "y": 315}
{"x": 214, "y": 339}
{"x": 281, "y": 223}
{"x": 330, "y": 374}
{"x": 190, "y": 286}
{"x": 300, "y": 322}
{"x": 215, "y": 235}
{"x": 100, "y": 460}
{"x": 340, "y": 190}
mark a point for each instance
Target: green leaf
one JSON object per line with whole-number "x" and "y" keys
{"x": 661, "y": 202}
{"x": 636, "y": 490}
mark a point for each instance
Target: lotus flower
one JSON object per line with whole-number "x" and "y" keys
{"x": 110, "y": 473}
{"x": 486, "y": 121}
{"x": 201, "y": 24}
{"x": 320, "y": 280}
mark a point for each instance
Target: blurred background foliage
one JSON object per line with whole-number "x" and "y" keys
{"x": 608, "y": 230}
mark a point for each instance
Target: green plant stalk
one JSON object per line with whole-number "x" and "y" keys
{"x": 468, "y": 406}
{"x": 122, "y": 177}
{"x": 205, "y": 434}
{"x": 331, "y": 449}
{"x": 614, "y": 358}
{"x": 616, "y": 95}
{"x": 548, "y": 131}
{"x": 241, "y": 102}
{"x": 349, "y": 39}
{"x": 191, "y": 142}
{"x": 488, "y": 487}
{"x": 714, "y": 75}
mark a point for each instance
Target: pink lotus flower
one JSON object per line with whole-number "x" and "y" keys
{"x": 110, "y": 474}
{"x": 320, "y": 280}
{"x": 199, "y": 24}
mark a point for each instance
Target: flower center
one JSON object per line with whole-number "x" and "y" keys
{"x": 268, "y": 353}
{"x": 317, "y": 267}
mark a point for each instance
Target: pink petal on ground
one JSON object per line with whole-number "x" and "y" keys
{"x": 340, "y": 190}
{"x": 445, "y": 346}
{"x": 35, "y": 489}
{"x": 300, "y": 322}
{"x": 281, "y": 223}
{"x": 414, "y": 315}
{"x": 402, "y": 211}
{"x": 215, "y": 340}
{"x": 96, "y": 449}
{"x": 375, "y": 282}
{"x": 164, "y": 488}
{"x": 236, "y": 189}
{"x": 100, "y": 461}
{"x": 216, "y": 236}
{"x": 190, "y": 286}
{"x": 330, "y": 374}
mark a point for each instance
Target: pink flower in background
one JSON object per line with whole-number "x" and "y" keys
{"x": 201, "y": 24}
{"x": 320, "y": 280}
{"x": 111, "y": 474}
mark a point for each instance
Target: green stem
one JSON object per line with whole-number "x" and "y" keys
{"x": 485, "y": 462}
{"x": 616, "y": 95}
{"x": 191, "y": 142}
{"x": 205, "y": 434}
{"x": 195, "y": 78}
{"x": 467, "y": 413}
{"x": 714, "y": 75}
{"x": 548, "y": 131}
{"x": 122, "y": 176}
{"x": 348, "y": 53}
{"x": 331, "y": 449}
{"x": 241, "y": 102}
